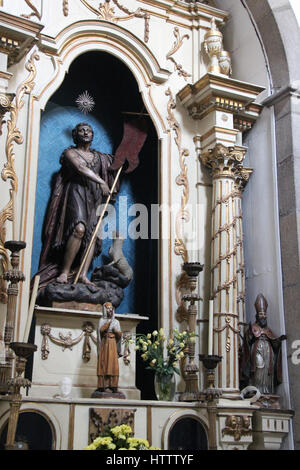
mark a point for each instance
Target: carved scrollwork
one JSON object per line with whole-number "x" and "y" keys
{"x": 181, "y": 180}
{"x": 66, "y": 341}
{"x": 35, "y": 11}
{"x": 106, "y": 12}
{"x": 9, "y": 171}
{"x": 176, "y": 46}
{"x": 126, "y": 340}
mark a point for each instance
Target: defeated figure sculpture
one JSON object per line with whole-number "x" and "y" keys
{"x": 261, "y": 354}
{"x": 108, "y": 282}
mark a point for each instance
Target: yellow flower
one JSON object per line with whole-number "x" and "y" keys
{"x": 171, "y": 341}
{"x": 155, "y": 333}
{"x": 174, "y": 364}
{"x": 90, "y": 447}
{"x": 149, "y": 335}
{"x": 181, "y": 345}
{"x": 152, "y": 363}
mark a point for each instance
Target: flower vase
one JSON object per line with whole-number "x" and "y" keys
{"x": 165, "y": 386}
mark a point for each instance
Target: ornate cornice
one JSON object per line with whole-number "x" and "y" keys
{"x": 18, "y": 35}
{"x": 220, "y": 93}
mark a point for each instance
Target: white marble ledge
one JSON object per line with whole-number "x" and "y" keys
{"x": 85, "y": 313}
{"x": 109, "y": 402}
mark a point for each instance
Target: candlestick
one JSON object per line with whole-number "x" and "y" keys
{"x": 210, "y": 327}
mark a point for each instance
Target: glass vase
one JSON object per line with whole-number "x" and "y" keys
{"x": 164, "y": 386}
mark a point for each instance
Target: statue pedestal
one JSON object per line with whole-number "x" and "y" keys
{"x": 67, "y": 347}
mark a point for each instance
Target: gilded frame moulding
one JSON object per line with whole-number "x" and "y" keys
{"x": 176, "y": 46}
{"x": 9, "y": 171}
{"x": 107, "y": 13}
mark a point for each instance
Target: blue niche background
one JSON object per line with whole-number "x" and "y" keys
{"x": 114, "y": 91}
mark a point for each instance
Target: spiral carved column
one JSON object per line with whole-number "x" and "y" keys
{"x": 226, "y": 166}
{"x": 241, "y": 181}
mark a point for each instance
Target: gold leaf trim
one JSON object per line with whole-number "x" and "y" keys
{"x": 107, "y": 13}
{"x": 176, "y": 46}
{"x": 181, "y": 179}
{"x": 9, "y": 171}
{"x": 66, "y": 7}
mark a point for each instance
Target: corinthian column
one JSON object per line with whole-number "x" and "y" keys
{"x": 226, "y": 166}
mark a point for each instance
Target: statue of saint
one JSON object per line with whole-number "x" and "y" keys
{"x": 261, "y": 355}
{"x": 109, "y": 350}
{"x": 81, "y": 186}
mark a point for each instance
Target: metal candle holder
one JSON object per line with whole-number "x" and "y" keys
{"x": 23, "y": 351}
{"x": 210, "y": 363}
{"x": 191, "y": 393}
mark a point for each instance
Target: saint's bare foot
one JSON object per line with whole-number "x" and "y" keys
{"x": 86, "y": 281}
{"x": 62, "y": 279}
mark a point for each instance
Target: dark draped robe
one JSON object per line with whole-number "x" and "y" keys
{"x": 75, "y": 199}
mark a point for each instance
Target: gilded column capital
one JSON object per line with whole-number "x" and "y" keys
{"x": 225, "y": 162}
{"x": 242, "y": 178}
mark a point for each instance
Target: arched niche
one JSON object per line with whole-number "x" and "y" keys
{"x": 192, "y": 427}
{"x": 182, "y": 424}
{"x": 116, "y": 94}
{"x": 35, "y": 431}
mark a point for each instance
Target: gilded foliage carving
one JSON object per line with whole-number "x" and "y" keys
{"x": 181, "y": 179}
{"x": 9, "y": 171}
{"x": 67, "y": 342}
{"x": 176, "y": 46}
{"x": 105, "y": 11}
